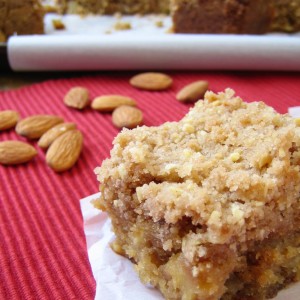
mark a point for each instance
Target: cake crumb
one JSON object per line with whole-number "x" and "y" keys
{"x": 119, "y": 26}
{"x": 159, "y": 23}
{"x": 58, "y": 24}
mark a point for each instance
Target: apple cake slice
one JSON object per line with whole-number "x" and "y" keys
{"x": 208, "y": 207}
{"x": 20, "y": 17}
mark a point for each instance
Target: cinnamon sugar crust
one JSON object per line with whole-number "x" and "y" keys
{"x": 205, "y": 195}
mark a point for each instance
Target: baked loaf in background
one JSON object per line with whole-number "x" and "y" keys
{"x": 189, "y": 16}
{"x": 113, "y": 6}
{"x": 235, "y": 16}
{"x": 20, "y": 17}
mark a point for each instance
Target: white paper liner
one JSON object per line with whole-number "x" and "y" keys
{"x": 114, "y": 275}
{"x": 295, "y": 113}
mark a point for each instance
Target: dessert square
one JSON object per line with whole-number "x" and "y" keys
{"x": 208, "y": 207}
{"x": 20, "y": 17}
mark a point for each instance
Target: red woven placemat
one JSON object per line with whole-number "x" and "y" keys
{"x": 42, "y": 246}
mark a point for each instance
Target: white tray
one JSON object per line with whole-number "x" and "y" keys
{"x": 92, "y": 43}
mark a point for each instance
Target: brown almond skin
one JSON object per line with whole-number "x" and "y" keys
{"x": 16, "y": 152}
{"x": 127, "y": 116}
{"x": 77, "y": 97}
{"x": 8, "y": 119}
{"x": 193, "y": 91}
{"x": 107, "y": 103}
{"x": 52, "y": 134}
{"x": 35, "y": 126}
{"x": 151, "y": 81}
{"x": 65, "y": 151}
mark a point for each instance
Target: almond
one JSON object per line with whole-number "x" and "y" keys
{"x": 8, "y": 119}
{"x": 65, "y": 151}
{"x": 77, "y": 97}
{"x": 35, "y": 126}
{"x": 193, "y": 91}
{"x": 16, "y": 152}
{"x": 49, "y": 136}
{"x": 108, "y": 103}
{"x": 151, "y": 81}
{"x": 127, "y": 116}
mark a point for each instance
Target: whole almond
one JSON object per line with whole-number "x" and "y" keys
{"x": 8, "y": 119}
{"x": 77, "y": 97}
{"x": 16, "y": 152}
{"x": 65, "y": 151}
{"x": 108, "y": 103}
{"x": 49, "y": 136}
{"x": 35, "y": 126}
{"x": 127, "y": 116}
{"x": 193, "y": 91}
{"x": 151, "y": 81}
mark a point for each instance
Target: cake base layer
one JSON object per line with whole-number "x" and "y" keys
{"x": 222, "y": 273}
{"x": 267, "y": 269}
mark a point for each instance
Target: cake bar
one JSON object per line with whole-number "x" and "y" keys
{"x": 235, "y": 16}
{"x": 20, "y": 17}
{"x": 208, "y": 207}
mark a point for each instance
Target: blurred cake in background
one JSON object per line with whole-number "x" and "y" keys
{"x": 193, "y": 16}
{"x": 114, "y": 6}
{"x": 20, "y": 17}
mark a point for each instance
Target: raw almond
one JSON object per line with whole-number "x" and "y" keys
{"x": 108, "y": 103}
{"x": 77, "y": 97}
{"x": 151, "y": 81}
{"x": 35, "y": 126}
{"x": 49, "y": 136}
{"x": 16, "y": 152}
{"x": 8, "y": 119}
{"x": 193, "y": 91}
{"x": 65, "y": 151}
{"x": 127, "y": 116}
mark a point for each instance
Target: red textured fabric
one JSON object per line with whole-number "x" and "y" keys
{"x": 42, "y": 246}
